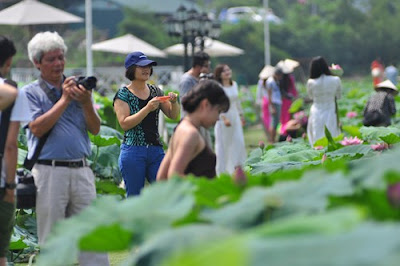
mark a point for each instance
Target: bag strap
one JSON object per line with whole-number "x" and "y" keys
{"x": 29, "y": 163}
{"x": 5, "y": 122}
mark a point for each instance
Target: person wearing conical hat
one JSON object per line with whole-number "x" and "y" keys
{"x": 381, "y": 105}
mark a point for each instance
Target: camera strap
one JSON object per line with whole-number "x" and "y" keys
{"x": 51, "y": 94}
{"x": 4, "y": 124}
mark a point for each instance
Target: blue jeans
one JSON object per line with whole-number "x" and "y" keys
{"x": 275, "y": 119}
{"x": 137, "y": 163}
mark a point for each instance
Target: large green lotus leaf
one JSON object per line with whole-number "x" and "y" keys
{"x": 232, "y": 251}
{"x": 62, "y": 246}
{"x": 21, "y": 156}
{"x": 351, "y": 150}
{"x": 297, "y": 152}
{"x": 263, "y": 167}
{"x": 369, "y": 172}
{"x": 106, "y": 238}
{"x": 103, "y": 141}
{"x": 158, "y": 206}
{"x": 330, "y": 222}
{"x": 367, "y": 244}
{"x": 296, "y": 105}
{"x": 254, "y": 156}
{"x": 375, "y": 133}
{"x": 21, "y": 238}
{"x": 108, "y": 187}
{"x": 310, "y": 193}
{"x": 162, "y": 245}
{"x": 284, "y": 148}
{"x": 108, "y": 131}
{"x": 154, "y": 210}
{"x": 391, "y": 138}
{"x": 352, "y": 130}
{"x": 215, "y": 192}
{"x": 106, "y": 165}
{"x": 17, "y": 244}
{"x": 244, "y": 213}
{"x": 266, "y": 180}
{"x": 306, "y": 195}
{"x": 374, "y": 202}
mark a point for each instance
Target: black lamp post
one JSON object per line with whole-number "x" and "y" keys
{"x": 193, "y": 28}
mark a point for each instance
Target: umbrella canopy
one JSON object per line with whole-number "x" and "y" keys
{"x": 213, "y": 47}
{"x": 127, "y": 44}
{"x": 32, "y": 12}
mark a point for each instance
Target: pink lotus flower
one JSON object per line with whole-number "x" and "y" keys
{"x": 379, "y": 146}
{"x": 336, "y": 70}
{"x": 299, "y": 115}
{"x": 351, "y": 114}
{"x": 96, "y": 106}
{"x": 318, "y": 147}
{"x": 239, "y": 176}
{"x": 393, "y": 195}
{"x": 333, "y": 66}
{"x": 351, "y": 141}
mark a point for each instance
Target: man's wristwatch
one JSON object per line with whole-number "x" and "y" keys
{"x": 11, "y": 185}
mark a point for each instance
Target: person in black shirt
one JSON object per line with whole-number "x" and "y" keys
{"x": 381, "y": 105}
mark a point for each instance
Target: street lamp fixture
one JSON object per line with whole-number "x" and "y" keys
{"x": 193, "y": 27}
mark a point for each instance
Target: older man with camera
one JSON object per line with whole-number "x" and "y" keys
{"x": 63, "y": 112}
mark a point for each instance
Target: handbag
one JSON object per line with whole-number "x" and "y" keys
{"x": 26, "y": 189}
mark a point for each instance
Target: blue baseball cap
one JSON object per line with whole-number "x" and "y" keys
{"x": 138, "y": 59}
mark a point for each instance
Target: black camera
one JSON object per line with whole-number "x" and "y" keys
{"x": 88, "y": 82}
{"x": 26, "y": 190}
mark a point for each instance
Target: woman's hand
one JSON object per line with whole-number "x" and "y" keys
{"x": 173, "y": 97}
{"x": 153, "y": 104}
{"x": 273, "y": 110}
{"x": 226, "y": 121}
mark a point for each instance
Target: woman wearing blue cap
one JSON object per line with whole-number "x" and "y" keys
{"x": 137, "y": 108}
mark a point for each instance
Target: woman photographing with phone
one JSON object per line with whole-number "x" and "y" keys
{"x": 137, "y": 108}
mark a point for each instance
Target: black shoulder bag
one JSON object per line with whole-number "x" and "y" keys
{"x": 26, "y": 189}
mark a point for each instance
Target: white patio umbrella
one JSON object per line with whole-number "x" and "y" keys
{"x": 32, "y": 12}
{"x": 126, "y": 44}
{"x": 213, "y": 47}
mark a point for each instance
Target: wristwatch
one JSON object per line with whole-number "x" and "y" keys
{"x": 11, "y": 185}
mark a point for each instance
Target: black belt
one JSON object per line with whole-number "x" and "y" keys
{"x": 72, "y": 164}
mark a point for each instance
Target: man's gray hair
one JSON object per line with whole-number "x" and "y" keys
{"x": 44, "y": 42}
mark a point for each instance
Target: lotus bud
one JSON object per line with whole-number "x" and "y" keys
{"x": 261, "y": 144}
{"x": 239, "y": 176}
{"x": 393, "y": 195}
{"x": 324, "y": 157}
{"x": 289, "y": 138}
{"x": 304, "y": 135}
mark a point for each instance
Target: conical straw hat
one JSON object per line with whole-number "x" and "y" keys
{"x": 287, "y": 65}
{"x": 387, "y": 84}
{"x": 266, "y": 72}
